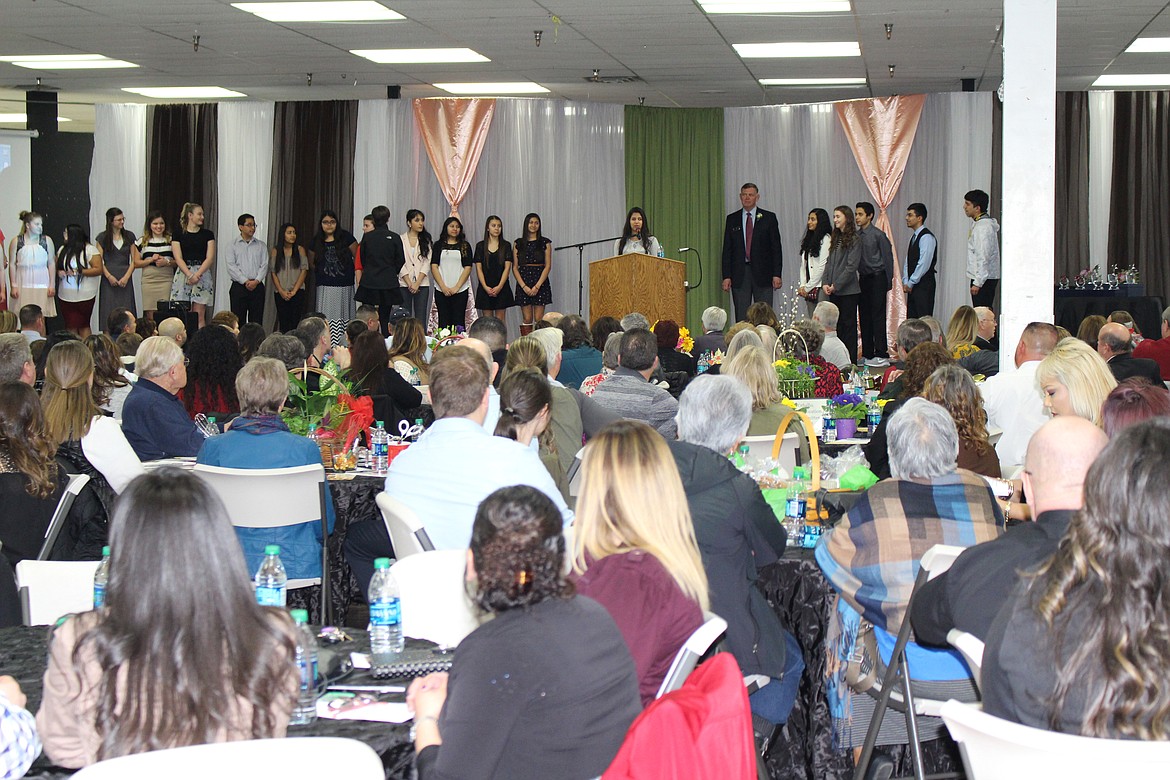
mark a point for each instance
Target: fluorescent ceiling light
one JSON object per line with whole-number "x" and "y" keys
{"x": 65, "y": 61}
{"x": 340, "y": 11}
{"x": 403, "y": 56}
{"x": 1134, "y": 80}
{"x": 799, "y": 49}
{"x": 183, "y": 92}
{"x": 775, "y": 6}
{"x": 1149, "y": 45}
{"x": 832, "y": 82}
{"x": 492, "y": 88}
{"x": 7, "y": 119}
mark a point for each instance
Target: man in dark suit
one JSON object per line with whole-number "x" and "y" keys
{"x": 1115, "y": 344}
{"x": 751, "y": 253}
{"x": 969, "y": 595}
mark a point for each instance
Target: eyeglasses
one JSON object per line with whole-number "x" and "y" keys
{"x": 186, "y": 361}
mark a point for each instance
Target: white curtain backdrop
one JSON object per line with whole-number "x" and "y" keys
{"x": 117, "y": 176}
{"x": 801, "y": 160}
{"x": 245, "y": 175}
{"x": 390, "y": 167}
{"x": 1100, "y": 175}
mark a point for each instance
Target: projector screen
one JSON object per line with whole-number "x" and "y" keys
{"x": 15, "y": 181}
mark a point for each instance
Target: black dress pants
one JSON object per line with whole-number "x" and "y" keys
{"x": 247, "y": 304}
{"x": 986, "y": 296}
{"x": 920, "y": 301}
{"x": 289, "y": 313}
{"x": 872, "y": 313}
{"x": 452, "y": 309}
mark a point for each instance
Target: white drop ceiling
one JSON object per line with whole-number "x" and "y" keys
{"x": 675, "y": 53}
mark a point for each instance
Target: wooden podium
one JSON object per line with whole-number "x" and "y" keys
{"x": 654, "y": 286}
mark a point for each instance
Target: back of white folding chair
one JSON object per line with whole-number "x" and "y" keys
{"x": 971, "y": 647}
{"x": 407, "y": 534}
{"x": 51, "y": 589}
{"x": 698, "y": 643}
{"x": 76, "y": 483}
{"x": 434, "y": 602}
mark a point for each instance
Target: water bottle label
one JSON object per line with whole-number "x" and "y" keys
{"x": 308, "y": 675}
{"x": 385, "y": 612}
{"x": 794, "y": 507}
{"x": 99, "y": 596}
{"x": 270, "y": 597}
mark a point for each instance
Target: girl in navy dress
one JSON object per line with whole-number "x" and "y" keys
{"x": 533, "y": 264}
{"x": 493, "y": 265}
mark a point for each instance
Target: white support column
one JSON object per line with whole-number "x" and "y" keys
{"x": 1029, "y": 178}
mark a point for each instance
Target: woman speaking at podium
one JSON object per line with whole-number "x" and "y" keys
{"x": 636, "y": 236}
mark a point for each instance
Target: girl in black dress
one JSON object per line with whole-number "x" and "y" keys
{"x": 451, "y": 268}
{"x": 533, "y": 264}
{"x": 493, "y": 264}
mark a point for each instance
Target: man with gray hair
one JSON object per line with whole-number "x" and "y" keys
{"x": 1157, "y": 350}
{"x": 1115, "y": 344}
{"x": 285, "y": 348}
{"x": 635, "y": 320}
{"x": 737, "y": 533}
{"x": 630, "y": 394}
{"x": 714, "y": 320}
{"x": 833, "y": 350}
{"x": 873, "y": 555}
{"x": 16, "y": 363}
{"x": 153, "y": 418}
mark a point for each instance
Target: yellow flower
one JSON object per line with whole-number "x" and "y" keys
{"x": 781, "y": 363}
{"x": 789, "y": 403}
{"x": 882, "y": 402}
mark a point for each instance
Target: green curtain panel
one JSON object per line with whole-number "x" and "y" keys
{"x": 674, "y": 171}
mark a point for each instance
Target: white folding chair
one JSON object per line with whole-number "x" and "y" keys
{"x": 276, "y": 498}
{"x": 434, "y": 602}
{"x": 971, "y": 647}
{"x": 760, "y": 447}
{"x": 997, "y": 749}
{"x": 407, "y": 535}
{"x": 289, "y": 757}
{"x": 76, "y": 483}
{"x": 688, "y": 656}
{"x": 51, "y": 589}
{"x": 894, "y": 688}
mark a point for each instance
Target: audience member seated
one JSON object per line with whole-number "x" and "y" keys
{"x": 354, "y": 329}
{"x": 762, "y": 313}
{"x": 979, "y": 582}
{"x": 985, "y": 361}
{"x": 1010, "y": 398}
{"x": 571, "y": 691}
{"x": 32, "y": 322}
{"x": 922, "y": 361}
{"x": 1089, "y": 328}
{"x": 260, "y": 439}
{"x": 174, "y": 329}
{"x": 525, "y": 416}
{"x": 630, "y": 394}
{"x": 872, "y": 557}
{"x": 156, "y": 424}
{"x": 494, "y": 333}
{"x": 9, "y": 322}
{"x": 1122, "y": 317}
{"x": 165, "y": 664}
{"x": 833, "y": 349}
{"x": 30, "y": 481}
{"x": 16, "y": 360}
{"x": 714, "y": 319}
{"x": 1074, "y": 379}
{"x": 89, "y": 440}
{"x": 961, "y": 332}
{"x": 1115, "y": 345}
{"x": 213, "y": 360}
{"x": 46, "y": 345}
{"x": 666, "y": 333}
{"x": 252, "y": 335}
{"x": 285, "y": 348}
{"x": 1133, "y": 401}
{"x": 754, "y": 370}
{"x": 227, "y": 320}
{"x": 634, "y": 548}
{"x": 22, "y": 746}
{"x": 145, "y": 328}
{"x": 579, "y": 358}
{"x": 1081, "y": 647}
{"x": 120, "y": 320}
{"x": 493, "y": 411}
{"x": 1157, "y": 350}
{"x": 128, "y": 344}
{"x": 805, "y": 348}
{"x": 737, "y": 533}
{"x": 910, "y": 334}
{"x": 953, "y": 389}
{"x": 111, "y": 383}
{"x": 459, "y": 395}
{"x": 408, "y": 357}
{"x": 768, "y": 335}
{"x": 609, "y": 363}
{"x": 600, "y": 330}
{"x": 369, "y": 370}
{"x": 320, "y": 353}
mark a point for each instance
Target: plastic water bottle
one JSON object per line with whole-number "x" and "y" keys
{"x": 306, "y": 709}
{"x": 380, "y": 449}
{"x": 830, "y": 429}
{"x": 661, "y": 251}
{"x": 704, "y": 363}
{"x": 873, "y": 414}
{"x": 418, "y": 421}
{"x": 100, "y": 578}
{"x": 795, "y": 505}
{"x": 385, "y": 611}
{"x": 271, "y": 579}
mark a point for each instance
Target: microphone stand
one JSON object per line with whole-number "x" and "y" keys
{"x": 700, "y": 258}
{"x": 581, "y": 267}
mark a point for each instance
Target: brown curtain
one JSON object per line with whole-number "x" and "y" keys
{"x": 183, "y": 161}
{"x": 312, "y": 170}
{"x": 1139, "y": 232}
{"x": 1071, "y": 213}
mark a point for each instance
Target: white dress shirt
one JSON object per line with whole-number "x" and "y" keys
{"x": 1013, "y": 403}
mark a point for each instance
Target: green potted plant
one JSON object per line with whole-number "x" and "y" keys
{"x": 849, "y": 410}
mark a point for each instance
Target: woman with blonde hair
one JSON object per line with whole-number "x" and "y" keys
{"x": 753, "y": 366}
{"x": 9, "y": 322}
{"x": 408, "y": 356}
{"x": 634, "y": 547}
{"x": 952, "y": 388}
{"x": 194, "y": 253}
{"x": 1074, "y": 379}
{"x": 961, "y": 332}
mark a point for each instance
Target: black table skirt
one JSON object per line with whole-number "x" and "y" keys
{"x": 1147, "y": 311}
{"x": 354, "y": 501}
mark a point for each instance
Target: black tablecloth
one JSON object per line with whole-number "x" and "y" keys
{"x": 1147, "y": 311}
{"x": 353, "y": 502}
{"x": 23, "y": 654}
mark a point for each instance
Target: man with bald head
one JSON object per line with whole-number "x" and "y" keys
{"x": 174, "y": 329}
{"x": 1011, "y": 399}
{"x": 969, "y": 595}
{"x": 1115, "y": 344}
{"x": 493, "y": 410}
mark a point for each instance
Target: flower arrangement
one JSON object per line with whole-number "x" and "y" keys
{"x": 338, "y": 415}
{"x": 848, "y": 405}
{"x": 442, "y": 337}
{"x": 796, "y": 378}
{"x": 685, "y": 342}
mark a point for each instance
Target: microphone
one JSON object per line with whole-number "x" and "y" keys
{"x": 684, "y": 249}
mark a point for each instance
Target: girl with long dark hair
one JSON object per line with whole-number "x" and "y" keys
{"x": 110, "y": 385}
{"x": 493, "y": 266}
{"x": 290, "y": 272}
{"x": 840, "y": 281}
{"x": 533, "y": 265}
{"x": 636, "y": 235}
{"x": 164, "y": 664}
{"x": 415, "y": 275}
{"x": 79, "y": 264}
{"x": 30, "y": 480}
{"x": 332, "y": 249}
{"x": 213, "y": 361}
{"x": 120, "y": 258}
{"x": 369, "y": 369}
{"x": 451, "y": 267}
{"x": 158, "y": 262}
{"x": 814, "y": 253}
